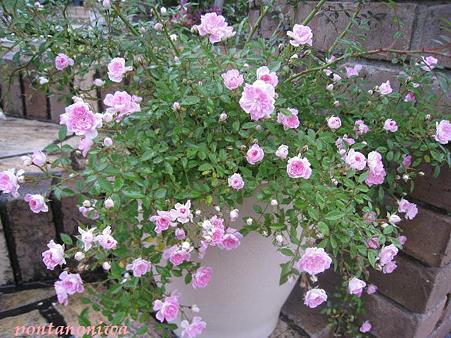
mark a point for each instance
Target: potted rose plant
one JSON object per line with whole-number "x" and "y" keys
{"x": 223, "y": 166}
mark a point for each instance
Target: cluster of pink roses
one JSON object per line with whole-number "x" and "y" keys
{"x": 121, "y": 104}
{"x": 410, "y": 209}
{"x": 314, "y": 261}
{"x": 214, "y": 233}
{"x": 164, "y": 219}
{"x": 386, "y": 258}
{"x": 357, "y": 161}
{"x": 9, "y": 181}
{"x": 215, "y": 27}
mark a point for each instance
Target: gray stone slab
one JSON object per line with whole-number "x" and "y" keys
{"x": 6, "y": 272}
{"x": 8, "y": 325}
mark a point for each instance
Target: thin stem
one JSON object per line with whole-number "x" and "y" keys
{"x": 257, "y": 23}
{"x": 165, "y": 30}
{"x": 346, "y": 30}
{"x": 313, "y": 13}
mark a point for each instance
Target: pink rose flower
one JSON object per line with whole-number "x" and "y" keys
{"x": 429, "y": 63}
{"x": 355, "y": 160}
{"x": 85, "y": 145}
{"x": 334, "y": 122}
{"x": 36, "y": 203}
{"x": 236, "y": 181}
{"x": 176, "y": 255}
{"x": 298, "y": 167}
{"x": 371, "y": 289}
{"x": 63, "y": 61}
{"x": 373, "y": 242}
{"x": 231, "y": 239}
{"x": 387, "y": 254}
{"x": 282, "y": 152}
{"x": 194, "y": 329}
{"x": 410, "y": 209}
{"x": 87, "y": 237}
{"x": 61, "y": 294}
{"x": 443, "y": 132}
{"x": 72, "y": 282}
{"x": 80, "y": 120}
{"x": 9, "y": 182}
{"x": 201, "y": 277}
{"x": 258, "y": 100}
{"x": 168, "y": 309}
{"x": 215, "y": 27}
{"x": 389, "y": 267}
{"x": 353, "y": 71}
{"x": 117, "y": 69}
{"x": 402, "y": 240}
{"x": 264, "y": 74}
{"x": 163, "y": 220}
{"x": 314, "y": 261}
{"x": 289, "y": 121}
{"x": 390, "y": 125}
{"x": 376, "y": 172}
{"x": 180, "y": 234}
{"x": 39, "y": 158}
{"x": 410, "y": 97}
{"x": 385, "y": 88}
{"x": 360, "y": 127}
{"x": 182, "y": 212}
{"x": 232, "y": 79}
{"x": 122, "y": 104}
{"x": 106, "y": 240}
{"x": 366, "y": 327}
{"x": 315, "y": 297}
{"x": 139, "y": 267}
{"x": 356, "y": 286}
{"x": 406, "y": 160}
{"x": 54, "y": 255}
{"x": 301, "y": 35}
{"x": 255, "y": 154}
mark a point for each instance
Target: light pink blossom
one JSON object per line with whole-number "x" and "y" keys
{"x": 85, "y": 145}
{"x": 410, "y": 97}
{"x": 371, "y": 289}
{"x": 36, "y": 203}
{"x": 87, "y": 237}
{"x": 429, "y": 63}
{"x": 106, "y": 240}
{"x": 289, "y": 121}
{"x": 355, "y": 160}
{"x": 202, "y": 277}
{"x": 182, "y": 212}
{"x": 282, "y": 152}
{"x": 215, "y": 27}
{"x": 139, "y": 267}
{"x": 387, "y": 254}
{"x": 264, "y": 74}
{"x": 314, "y": 261}
{"x": 54, "y": 255}
{"x": 232, "y": 79}
{"x": 389, "y": 267}
{"x": 80, "y": 120}
{"x": 385, "y": 88}
{"x": 163, "y": 220}
{"x": 231, "y": 239}
{"x": 402, "y": 240}
{"x": 62, "y": 61}
{"x": 366, "y": 327}
{"x": 315, "y": 297}
{"x": 9, "y": 181}
{"x": 353, "y": 71}
{"x": 300, "y": 35}
{"x": 122, "y": 104}
{"x": 376, "y": 172}
{"x": 334, "y": 122}
{"x": 356, "y": 286}
{"x": 257, "y": 100}
{"x": 390, "y": 125}
{"x": 255, "y": 154}
{"x": 167, "y": 309}
{"x": 236, "y": 181}
{"x": 180, "y": 234}
{"x": 406, "y": 160}
{"x": 117, "y": 69}
{"x": 176, "y": 255}
{"x": 298, "y": 167}
{"x": 443, "y": 132}
{"x": 410, "y": 209}
{"x": 373, "y": 242}
{"x": 68, "y": 284}
{"x": 39, "y": 158}
{"x": 194, "y": 329}
{"x": 360, "y": 127}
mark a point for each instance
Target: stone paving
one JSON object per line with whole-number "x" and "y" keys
{"x": 38, "y": 307}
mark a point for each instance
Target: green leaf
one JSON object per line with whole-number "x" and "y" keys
{"x": 190, "y": 100}
{"x": 66, "y": 239}
{"x": 334, "y": 215}
{"x": 62, "y": 133}
{"x": 160, "y": 193}
{"x": 323, "y": 228}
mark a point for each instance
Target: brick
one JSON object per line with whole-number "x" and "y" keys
{"x": 428, "y": 237}
{"x": 11, "y": 94}
{"x": 312, "y": 321}
{"x": 6, "y": 272}
{"x": 35, "y": 101}
{"x": 391, "y": 320}
{"x": 9, "y": 301}
{"x": 331, "y": 20}
{"x": 60, "y": 98}
{"x": 434, "y": 190}
{"x": 444, "y": 325}
{"x": 31, "y": 232}
{"x": 413, "y": 285}
{"x": 431, "y": 27}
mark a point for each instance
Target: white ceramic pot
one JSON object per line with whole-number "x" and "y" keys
{"x": 243, "y": 298}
